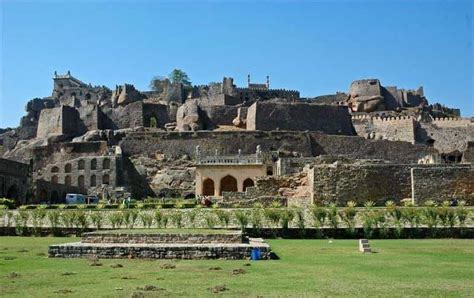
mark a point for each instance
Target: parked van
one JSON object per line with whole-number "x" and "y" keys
{"x": 72, "y": 198}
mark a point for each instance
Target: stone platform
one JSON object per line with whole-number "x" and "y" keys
{"x": 109, "y": 245}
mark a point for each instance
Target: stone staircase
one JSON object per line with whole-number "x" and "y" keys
{"x": 364, "y": 246}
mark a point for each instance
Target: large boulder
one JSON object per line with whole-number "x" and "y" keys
{"x": 187, "y": 117}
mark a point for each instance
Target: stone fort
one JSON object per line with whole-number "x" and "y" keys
{"x": 237, "y": 144}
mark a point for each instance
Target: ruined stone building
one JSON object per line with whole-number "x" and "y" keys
{"x": 369, "y": 143}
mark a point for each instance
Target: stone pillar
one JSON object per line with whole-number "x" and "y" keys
{"x": 240, "y": 185}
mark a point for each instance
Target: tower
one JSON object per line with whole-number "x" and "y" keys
{"x": 268, "y": 82}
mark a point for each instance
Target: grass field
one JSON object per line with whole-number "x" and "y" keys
{"x": 306, "y": 267}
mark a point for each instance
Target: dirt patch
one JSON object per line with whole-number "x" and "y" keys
{"x": 68, "y": 273}
{"x": 218, "y": 289}
{"x": 13, "y": 275}
{"x": 215, "y": 268}
{"x": 116, "y": 266}
{"x": 167, "y": 266}
{"x": 63, "y": 291}
{"x": 238, "y": 271}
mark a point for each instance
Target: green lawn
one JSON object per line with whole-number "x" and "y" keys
{"x": 306, "y": 267}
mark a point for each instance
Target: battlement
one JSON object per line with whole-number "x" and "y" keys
{"x": 267, "y": 90}
{"x": 452, "y": 122}
{"x": 382, "y": 119}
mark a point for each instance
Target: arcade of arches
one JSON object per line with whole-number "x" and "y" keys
{"x": 213, "y": 180}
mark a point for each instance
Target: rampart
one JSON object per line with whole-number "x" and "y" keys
{"x": 299, "y": 117}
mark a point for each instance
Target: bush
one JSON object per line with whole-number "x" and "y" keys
{"x": 115, "y": 219}
{"x": 96, "y": 219}
{"x": 348, "y": 216}
{"x": 177, "y": 219}
{"x": 210, "y": 220}
{"x": 430, "y": 214}
{"x": 273, "y": 215}
{"x": 81, "y": 220}
{"x": 37, "y": 217}
{"x": 130, "y": 217}
{"x": 462, "y": 213}
{"x": 242, "y": 218}
{"x": 68, "y": 218}
{"x": 332, "y": 216}
{"x": 319, "y": 216}
{"x": 161, "y": 218}
{"x": 192, "y": 216}
{"x": 300, "y": 218}
{"x": 256, "y": 218}
{"x": 146, "y": 219}
{"x": 223, "y": 216}
{"x": 21, "y": 222}
{"x": 286, "y": 216}
{"x": 8, "y": 203}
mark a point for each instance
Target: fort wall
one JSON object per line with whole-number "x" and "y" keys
{"x": 443, "y": 183}
{"x": 299, "y": 117}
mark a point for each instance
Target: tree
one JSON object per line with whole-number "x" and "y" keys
{"x": 179, "y": 76}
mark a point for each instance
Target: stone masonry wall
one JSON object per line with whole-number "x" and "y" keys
{"x": 340, "y": 183}
{"x": 299, "y": 117}
{"x": 443, "y": 183}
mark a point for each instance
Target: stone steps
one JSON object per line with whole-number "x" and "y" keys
{"x": 364, "y": 246}
{"x": 227, "y": 251}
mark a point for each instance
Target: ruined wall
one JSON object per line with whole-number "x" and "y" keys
{"x": 63, "y": 120}
{"x": 53, "y": 193}
{"x": 84, "y": 172}
{"x": 127, "y": 116}
{"x": 300, "y": 117}
{"x": 177, "y": 144}
{"x": 159, "y": 112}
{"x": 360, "y": 148}
{"x": 443, "y": 183}
{"x": 340, "y": 183}
{"x": 15, "y": 180}
{"x": 220, "y": 114}
{"x": 90, "y": 117}
{"x": 446, "y": 134}
{"x": 401, "y": 128}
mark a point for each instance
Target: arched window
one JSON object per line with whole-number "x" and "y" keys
{"x": 93, "y": 181}
{"x": 43, "y": 196}
{"x": 54, "y": 169}
{"x": 67, "y": 180}
{"x": 54, "y": 197}
{"x": 94, "y": 164}
{"x": 208, "y": 187}
{"x": 106, "y": 164}
{"x": 106, "y": 179}
{"x": 54, "y": 179}
{"x": 229, "y": 184}
{"x": 12, "y": 192}
{"x": 81, "y": 164}
{"x": 68, "y": 168}
{"x": 80, "y": 181}
{"x": 88, "y": 96}
{"x": 248, "y": 183}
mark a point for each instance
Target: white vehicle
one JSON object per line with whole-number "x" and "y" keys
{"x": 72, "y": 198}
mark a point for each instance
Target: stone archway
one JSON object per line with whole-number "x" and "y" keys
{"x": 229, "y": 184}
{"x": 12, "y": 192}
{"x": 55, "y": 197}
{"x": 208, "y": 188}
{"x": 247, "y": 183}
{"x": 43, "y": 196}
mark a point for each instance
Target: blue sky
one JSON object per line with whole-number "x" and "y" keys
{"x": 315, "y": 47}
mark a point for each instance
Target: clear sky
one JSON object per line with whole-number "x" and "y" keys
{"x": 315, "y": 47}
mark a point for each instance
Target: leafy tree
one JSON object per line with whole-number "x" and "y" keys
{"x": 179, "y": 76}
